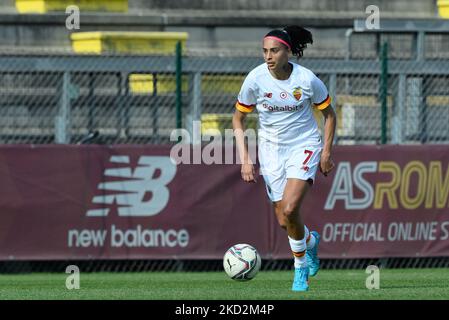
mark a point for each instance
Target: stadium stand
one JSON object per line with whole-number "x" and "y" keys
{"x": 213, "y": 26}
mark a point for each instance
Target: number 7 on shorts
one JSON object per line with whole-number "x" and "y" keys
{"x": 309, "y": 155}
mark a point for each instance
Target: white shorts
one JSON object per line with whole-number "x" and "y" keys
{"x": 279, "y": 163}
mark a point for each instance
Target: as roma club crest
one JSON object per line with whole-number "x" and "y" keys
{"x": 297, "y": 93}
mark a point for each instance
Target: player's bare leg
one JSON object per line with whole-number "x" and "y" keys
{"x": 293, "y": 196}
{"x": 288, "y": 213}
{"x": 278, "y": 210}
{"x": 312, "y": 238}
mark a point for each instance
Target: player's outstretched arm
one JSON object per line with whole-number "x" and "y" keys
{"x": 330, "y": 121}
{"x": 248, "y": 172}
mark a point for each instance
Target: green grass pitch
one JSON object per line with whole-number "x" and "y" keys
{"x": 328, "y": 284}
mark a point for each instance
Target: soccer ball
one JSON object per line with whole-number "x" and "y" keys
{"x": 241, "y": 262}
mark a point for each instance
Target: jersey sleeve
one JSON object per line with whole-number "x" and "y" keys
{"x": 320, "y": 98}
{"x": 247, "y": 100}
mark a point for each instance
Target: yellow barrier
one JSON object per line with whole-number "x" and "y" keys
{"x": 442, "y": 101}
{"x": 221, "y": 83}
{"x": 127, "y": 42}
{"x": 443, "y": 8}
{"x": 166, "y": 83}
{"x": 215, "y": 123}
{"x": 44, "y": 6}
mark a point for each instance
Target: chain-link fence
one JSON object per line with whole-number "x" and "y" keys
{"x": 132, "y": 99}
{"x": 54, "y": 98}
{"x": 62, "y": 98}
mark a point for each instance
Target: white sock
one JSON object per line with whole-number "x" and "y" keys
{"x": 299, "y": 252}
{"x": 310, "y": 242}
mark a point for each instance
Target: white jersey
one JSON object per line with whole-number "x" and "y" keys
{"x": 285, "y": 106}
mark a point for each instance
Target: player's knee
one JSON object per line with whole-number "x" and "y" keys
{"x": 290, "y": 211}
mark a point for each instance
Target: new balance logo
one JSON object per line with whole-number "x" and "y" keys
{"x": 129, "y": 195}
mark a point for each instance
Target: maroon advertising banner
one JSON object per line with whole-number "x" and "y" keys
{"x": 135, "y": 202}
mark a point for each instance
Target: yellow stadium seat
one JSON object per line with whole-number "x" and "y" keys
{"x": 443, "y": 8}
{"x": 215, "y": 123}
{"x": 127, "y": 42}
{"x": 44, "y": 6}
{"x": 166, "y": 83}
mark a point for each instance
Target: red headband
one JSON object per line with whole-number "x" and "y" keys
{"x": 280, "y": 40}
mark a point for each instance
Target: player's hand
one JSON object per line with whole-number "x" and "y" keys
{"x": 248, "y": 173}
{"x": 326, "y": 164}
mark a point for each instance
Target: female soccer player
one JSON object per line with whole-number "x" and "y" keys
{"x": 290, "y": 145}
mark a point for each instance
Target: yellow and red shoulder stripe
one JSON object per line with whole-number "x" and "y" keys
{"x": 244, "y": 107}
{"x": 323, "y": 105}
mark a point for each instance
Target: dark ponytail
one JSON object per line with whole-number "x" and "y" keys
{"x": 299, "y": 38}
{"x": 296, "y": 37}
